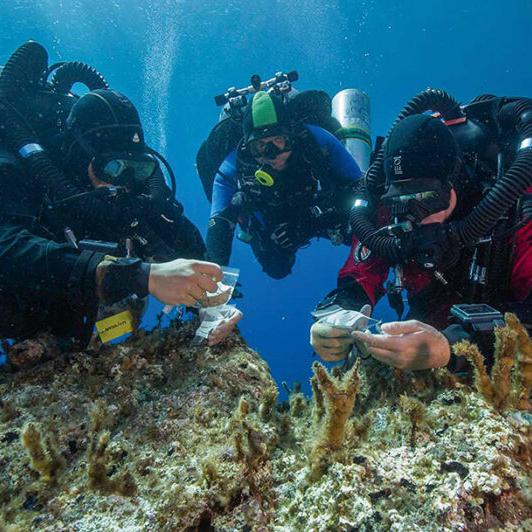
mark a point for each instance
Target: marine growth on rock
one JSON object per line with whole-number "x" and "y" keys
{"x": 156, "y": 435}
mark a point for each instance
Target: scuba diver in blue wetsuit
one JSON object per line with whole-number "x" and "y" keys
{"x": 287, "y": 181}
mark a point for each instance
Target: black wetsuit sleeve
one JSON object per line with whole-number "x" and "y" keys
{"x": 220, "y": 239}
{"x": 224, "y": 215}
{"x": 31, "y": 262}
{"x": 348, "y": 294}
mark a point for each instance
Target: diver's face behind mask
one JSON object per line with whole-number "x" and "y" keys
{"x": 417, "y": 199}
{"x": 124, "y": 169}
{"x": 273, "y": 151}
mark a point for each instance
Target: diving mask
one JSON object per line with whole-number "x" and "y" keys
{"x": 417, "y": 198}
{"x": 127, "y": 169}
{"x": 272, "y": 147}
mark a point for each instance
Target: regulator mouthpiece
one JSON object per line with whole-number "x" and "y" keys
{"x": 264, "y": 178}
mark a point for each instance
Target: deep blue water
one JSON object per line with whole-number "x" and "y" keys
{"x": 172, "y": 57}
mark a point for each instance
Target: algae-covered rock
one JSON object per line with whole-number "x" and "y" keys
{"x": 156, "y": 435}
{"x": 144, "y": 436}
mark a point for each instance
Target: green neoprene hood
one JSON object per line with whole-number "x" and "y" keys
{"x": 263, "y": 111}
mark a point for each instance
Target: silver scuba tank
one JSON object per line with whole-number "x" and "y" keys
{"x": 352, "y": 109}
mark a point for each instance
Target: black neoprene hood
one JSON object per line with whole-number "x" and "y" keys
{"x": 104, "y": 120}
{"x": 419, "y": 147}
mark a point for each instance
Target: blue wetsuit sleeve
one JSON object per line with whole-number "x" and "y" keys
{"x": 225, "y": 185}
{"x": 342, "y": 165}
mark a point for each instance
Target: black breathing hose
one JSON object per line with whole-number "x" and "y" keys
{"x": 17, "y": 135}
{"x": 73, "y": 72}
{"x": 24, "y": 70}
{"x": 372, "y": 185}
{"x": 47, "y": 176}
{"x": 498, "y": 273}
{"x": 509, "y": 188}
{"x": 157, "y": 185}
{"x": 26, "y": 67}
{"x": 482, "y": 98}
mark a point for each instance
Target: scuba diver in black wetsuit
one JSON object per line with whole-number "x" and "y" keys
{"x": 447, "y": 208}
{"x": 85, "y": 206}
{"x": 285, "y": 183}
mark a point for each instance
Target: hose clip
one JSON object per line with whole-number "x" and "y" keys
{"x": 360, "y": 203}
{"x": 316, "y": 212}
{"x": 525, "y": 143}
{"x": 30, "y": 149}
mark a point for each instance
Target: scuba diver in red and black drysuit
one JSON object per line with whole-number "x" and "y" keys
{"x": 86, "y": 216}
{"x": 444, "y": 214}
{"x": 284, "y": 184}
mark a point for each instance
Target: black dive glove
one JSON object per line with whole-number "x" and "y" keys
{"x": 348, "y": 295}
{"x": 118, "y": 278}
{"x": 287, "y": 236}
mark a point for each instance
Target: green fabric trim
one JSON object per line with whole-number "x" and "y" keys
{"x": 263, "y": 110}
{"x": 353, "y": 133}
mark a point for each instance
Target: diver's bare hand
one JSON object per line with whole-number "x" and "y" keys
{"x": 409, "y": 345}
{"x": 330, "y": 343}
{"x": 224, "y": 329}
{"x": 183, "y": 281}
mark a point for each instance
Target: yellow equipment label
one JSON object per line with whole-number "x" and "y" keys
{"x": 115, "y": 326}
